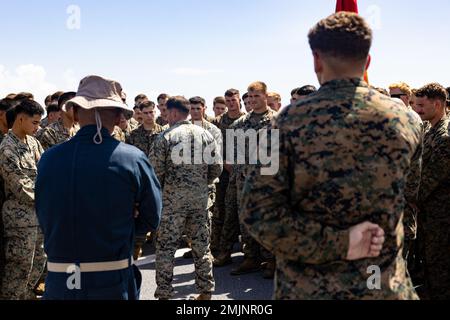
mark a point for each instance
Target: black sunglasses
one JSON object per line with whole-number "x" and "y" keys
{"x": 398, "y": 96}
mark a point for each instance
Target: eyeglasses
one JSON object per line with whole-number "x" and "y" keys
{"x": 398, "y": 96}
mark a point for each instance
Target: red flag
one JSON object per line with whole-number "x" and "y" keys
{"x": 352, "y": 6}
{"x": 347, "y": 5}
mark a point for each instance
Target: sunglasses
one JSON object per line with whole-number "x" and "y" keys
{"x": 398, "y": 96}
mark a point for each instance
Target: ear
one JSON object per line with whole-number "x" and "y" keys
{"x": 318, "y": 64}
{"x": 76, "y": 117}
{"x": 118, "y": 117}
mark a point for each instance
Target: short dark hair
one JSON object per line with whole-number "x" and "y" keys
{"x": 65, "y": 97}
{"x": 53, "y": 107}
{"x": 24, "y": 96}
{"x": 57, "y": 95}
{"x": 6, "y": 104}
{"x": 448, "y": 96}
{"x": 344, "y": 35}
{"x": 433, "y": 91}
{"x": 294, "y": 91}
{"x": 163, "y": 96}
{"x": 198, "y": 100}
{"x": 180, "y": 103}
{"x": 147, "y": 104}
{"x": 48, "y": 99}
{"x": 30, "y": 108}
{"x": 220, "y": 100}
{"x": 11, "y": 117}
{"x": 11, "y": 96}
{"x": 305, "y": 90}
{"x": 245, "y": 96}
{"x": 382, "y": 91}
{"x": 140, "y": 97}
{"x": 232, "y": 92}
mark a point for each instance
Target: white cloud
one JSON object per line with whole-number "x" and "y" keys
{"x": 71, "y": 81}
{"x": 29, "y": 78}
{"x": 195, "y": 71}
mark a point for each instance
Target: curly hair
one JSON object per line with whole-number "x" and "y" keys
{"x": 343, "y": 35}
{"x": 404, "y": 87}
{"x": 433, "y": 91}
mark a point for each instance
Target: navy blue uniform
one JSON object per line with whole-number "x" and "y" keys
{"x": 85, "y": 200}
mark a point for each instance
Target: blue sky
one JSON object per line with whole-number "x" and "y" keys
{"x": 199, "y": 47}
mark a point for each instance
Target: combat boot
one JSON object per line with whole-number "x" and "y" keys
{"x": 40, "y": 289}
{"x": 248, "y": 266}
{"x": 137, "y": 253}
{"x": 188, "y": 255}
{"x": 223, "y": 260}
{"x": 269, "y": 271}
{"x": 204, "y": 297}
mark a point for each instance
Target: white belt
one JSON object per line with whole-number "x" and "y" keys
{"x": 89, "y": 267}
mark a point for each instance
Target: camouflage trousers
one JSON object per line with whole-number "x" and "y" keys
{"x": 2, "y": 255}
{"x": 197, "y": 226}
{"x": 219, "y": 213}
{"x": 230, "y": 229}
{"x": 252, "y": 249}
{"x": 24, "y": 263}
{"x": 434, "y": 244}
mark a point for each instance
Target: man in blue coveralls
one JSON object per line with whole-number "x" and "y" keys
{"x": 92, "y": 194}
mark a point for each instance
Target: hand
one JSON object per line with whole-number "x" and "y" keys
{"x": 366, "y": 241}
{"x": 229, "y": 168}
{"x": 136, "y": 210}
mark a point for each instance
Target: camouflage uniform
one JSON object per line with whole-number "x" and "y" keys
{"x": 118, "y": 134}
{"x": 127, "y": 131}
{"x": 434, "y": 218}
{"x": 143, "y": 139}
{"x": 251, "y": 121}
{"x": 161, "y": 121}
{"x": 217, "y": 135}
{"x": 44, "y": 123}
{"x": 185, "y": 203}
{"x": 39, "y": 133}
{"x": 209, "y": 119}
{"x": 411, "y": 253}
{"x": 56, "y": 134}
{"x": 2, "y": 251}
{"x": 133, "y": 124}
{"x": 344, "y": 156}
{"x": 24, "y": 255}
{"x": 225, "y": 223}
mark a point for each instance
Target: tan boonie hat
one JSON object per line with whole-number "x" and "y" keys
{"x": 97, "y": 92}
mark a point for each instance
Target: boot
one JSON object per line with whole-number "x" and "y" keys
{"x": 204, "y": 297}
{"x": 269, "y": 271}
{"x": 248, "y": 266}
{"x": 223, "y": 260}
{"x": 137, "y": 253}
{"x": 40, "y": 289}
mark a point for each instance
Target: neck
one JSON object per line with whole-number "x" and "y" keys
{"x": 19, "y": 133}
{"x": 149, "y": 127}
{"x": 234, "y": 114}
{"x": 178, "y": 121}
{"x": 3, "y": 128}
{"x": 261, "y": 111}
{"x": 436, "y": 120}
{"x": 110, "y": 128}
{"x": 327, "y": 76}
